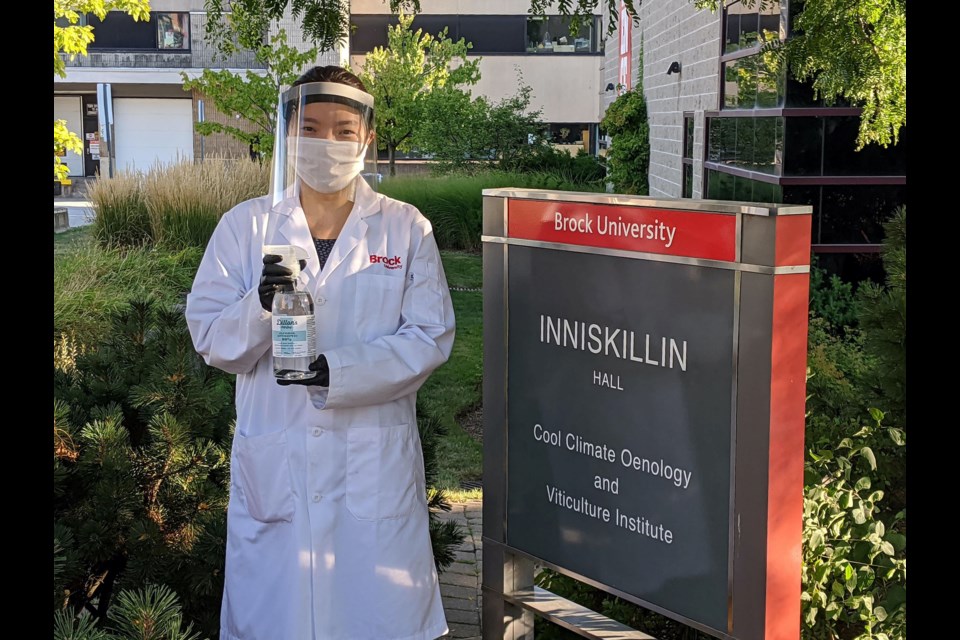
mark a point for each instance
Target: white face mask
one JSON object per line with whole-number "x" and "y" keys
{"x": 328, "y": 166}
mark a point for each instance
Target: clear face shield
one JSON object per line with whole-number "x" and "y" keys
{"x": 324, "y": 140}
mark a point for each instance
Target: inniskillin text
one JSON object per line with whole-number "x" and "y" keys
{"x": 607, "y": 226}
{"x": 614, "y": 342}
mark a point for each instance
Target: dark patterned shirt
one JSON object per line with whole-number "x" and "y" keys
{"x": 324, "y": 247}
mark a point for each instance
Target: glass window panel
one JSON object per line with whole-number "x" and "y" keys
{"x": 728, "y": 140}
{"x": 765, "y": 150}
{"x": 852, "y": 267}
{"x": 687, "y": 180}
{"x": 173, "y": 30}
{"x": 720, "y": 185}
{"x": 557, "y": 34}
{"x": 766, "y": 192}
{"x": 687, "y": 137}
{"x": 743, "y": 189}
{"x": 369, "y": 32}
{"x": 493, "y": 34}
{"x": 806, "y": 194}
{"x": 746, "y": 143}
{"x": 742, "y": 26}
{"x": 714, "y": 126}
{"x": 120, "y": 31}
{"x": 771, "y": 80}
{"x": 856, "y": 213}
{"x": 803, "y": 147}
{"x": 841, "y": 159}
{"x": 740, "y": 83}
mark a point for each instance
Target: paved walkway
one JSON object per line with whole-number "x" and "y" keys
{"x": 460, "y": 583}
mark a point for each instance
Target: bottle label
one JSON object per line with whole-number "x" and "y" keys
{"x": 294, "y": 336}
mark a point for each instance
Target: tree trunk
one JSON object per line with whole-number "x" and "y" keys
{"x": 391, "y": 152}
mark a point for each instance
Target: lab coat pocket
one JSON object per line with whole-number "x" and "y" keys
{"x": 382, "y": 472}
{"x": 263, "y": 472}
{"x": 378, "y": 302}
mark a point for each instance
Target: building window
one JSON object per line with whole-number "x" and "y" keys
{"x": 726, "y": 186}
{"x": 747, "y": 27}
{"x": 687, "y": 155}
{"x": 489, "y": 34}
{"x": 173, "y": 30}
{"x": 118, "y": 31}
{"x": 752, "y": 144}
{"x": 557, "y": 34}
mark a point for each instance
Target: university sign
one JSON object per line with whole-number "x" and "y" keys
{"x": 644, "y": 384}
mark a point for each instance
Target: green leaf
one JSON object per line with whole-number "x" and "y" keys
{"x": 859, "y": 515}
{"x": 887, "y": 548}
{"x": 867, "y": 454}
{"x": 837, "y": 589}
{"x": 862, "y": 484}
{"x": 880, "y": 613}
{"x": 812, "y": 616}
{"x": 876, "y": 414}
{"x": 816, "y": 540}
{"x": 897, "y": 436}
{"x": 898, "y": 540}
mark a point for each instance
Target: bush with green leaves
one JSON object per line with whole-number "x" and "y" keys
{"x": 832, "y": 299}
{"x": 883, "y": 316}
{"x": 628, "y": 158}
{"x": 854, "y": 553}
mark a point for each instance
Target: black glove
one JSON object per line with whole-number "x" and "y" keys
{"x": 274, "y": 275}
{"x": 321, "y": 379}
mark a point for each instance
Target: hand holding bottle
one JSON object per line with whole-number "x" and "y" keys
{"x": 272, "y": 277}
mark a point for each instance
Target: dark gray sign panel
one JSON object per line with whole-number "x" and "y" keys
{"x": 619, "y": 423}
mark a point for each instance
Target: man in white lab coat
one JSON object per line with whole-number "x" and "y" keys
{"x": 328, "y": 528}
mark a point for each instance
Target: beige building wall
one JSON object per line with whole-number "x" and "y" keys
{"x": 673, "y": 30}
{"x": 565, "y": 88}
{"x": 669, "y": 31}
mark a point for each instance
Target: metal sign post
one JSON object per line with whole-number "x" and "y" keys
{"x": 644, "y": 386}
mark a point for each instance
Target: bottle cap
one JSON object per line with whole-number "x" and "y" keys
{"x": 290, "y": 255}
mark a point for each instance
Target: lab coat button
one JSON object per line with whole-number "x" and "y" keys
{"x": 320, "y": 301}
{"x": 317, "y": 497}
{"x": 318, "y": 432}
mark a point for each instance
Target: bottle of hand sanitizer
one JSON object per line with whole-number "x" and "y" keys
{"x": 294, "y": 322}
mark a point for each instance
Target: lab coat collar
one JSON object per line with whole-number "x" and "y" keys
{"x": 293, "y": 228}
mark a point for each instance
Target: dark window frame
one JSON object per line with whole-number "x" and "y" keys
{"x": 688, "y": 142}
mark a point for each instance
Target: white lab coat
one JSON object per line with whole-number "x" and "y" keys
{"x": 328, "y": 528}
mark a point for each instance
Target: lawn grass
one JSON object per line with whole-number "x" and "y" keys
{"x": 455, "y": 388}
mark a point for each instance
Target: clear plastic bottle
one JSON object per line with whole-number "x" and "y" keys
{"x": 294, "y": 322}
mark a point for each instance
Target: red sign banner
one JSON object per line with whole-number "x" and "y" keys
{"x": 690, "y": 234}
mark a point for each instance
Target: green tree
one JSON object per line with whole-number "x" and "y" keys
{"x": 460, "y": 131}
{"x": 402, "y": 76}
{"x": 72, "y": 39}
{"x": 251, "y": 95}
{"x": 854, "y": 51}
{"x": 628, "y": 159}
